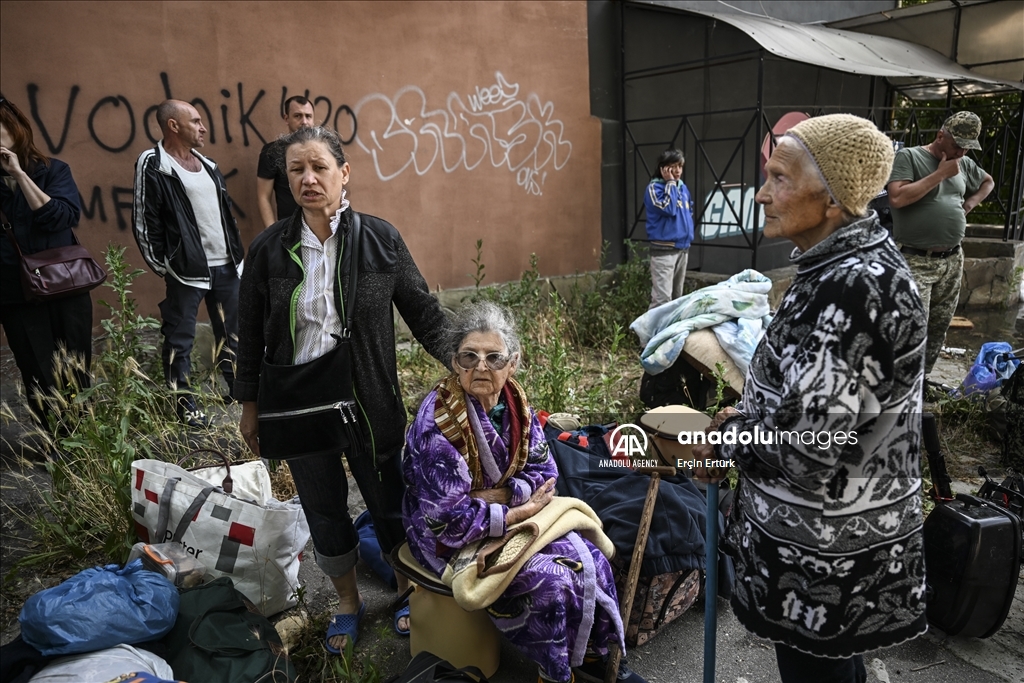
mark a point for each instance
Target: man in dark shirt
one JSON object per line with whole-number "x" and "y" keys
{"x": 271, "y": 180}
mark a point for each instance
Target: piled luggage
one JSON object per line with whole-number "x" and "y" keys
{"x": 174, "y": 612}
{"x": 672, "y": 571}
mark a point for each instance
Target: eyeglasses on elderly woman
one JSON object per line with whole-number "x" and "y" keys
{"x": 468, "y": 360}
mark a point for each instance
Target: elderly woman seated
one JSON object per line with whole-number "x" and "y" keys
{"x": 476, "y": 464}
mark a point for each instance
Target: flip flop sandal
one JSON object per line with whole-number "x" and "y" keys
{"x": 402, "y": 611}
{"x": 344, "y": 625}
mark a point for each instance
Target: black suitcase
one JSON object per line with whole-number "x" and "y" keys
{"x": 972, "y": 552}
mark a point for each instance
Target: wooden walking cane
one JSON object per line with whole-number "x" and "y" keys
{"x": 711, "y": 584}
{"x": 626, "y": 600}
{"x": 711, "y": 577}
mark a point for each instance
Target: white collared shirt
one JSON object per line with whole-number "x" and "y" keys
{"x": 318, "y": 324}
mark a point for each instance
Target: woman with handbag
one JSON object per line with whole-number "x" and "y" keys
{"x": 317, "y": 372}
{"x": 40, "y": 204}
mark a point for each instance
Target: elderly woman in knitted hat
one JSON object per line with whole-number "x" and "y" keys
{"x": 477, "y": 463}
{"x": 827, "y": 525}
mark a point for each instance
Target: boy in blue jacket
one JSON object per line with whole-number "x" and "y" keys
{"x": 669, "y": 227}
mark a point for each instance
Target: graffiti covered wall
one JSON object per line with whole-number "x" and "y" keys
{"x": 465, "y": 120}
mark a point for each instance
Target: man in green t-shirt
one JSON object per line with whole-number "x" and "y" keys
{"x": 931, "y": 191}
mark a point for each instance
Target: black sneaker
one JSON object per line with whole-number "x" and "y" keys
{"x": 190, "y": 414}
{"x": 593, "y": 670}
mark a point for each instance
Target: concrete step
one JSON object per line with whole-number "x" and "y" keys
{"x": 981, "y": 230}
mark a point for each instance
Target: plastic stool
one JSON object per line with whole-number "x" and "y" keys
{"x": 437, "y": 624}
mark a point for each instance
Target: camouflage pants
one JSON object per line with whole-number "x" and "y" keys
{"x": 938, "y": 281}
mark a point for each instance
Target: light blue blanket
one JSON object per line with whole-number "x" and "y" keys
{"x": 742, "y": 298}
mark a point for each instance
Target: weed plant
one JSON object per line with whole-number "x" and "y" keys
{"x": 965, "y": 434}
{"x": 95, "y": 432}
{"x": 603, "y": 304}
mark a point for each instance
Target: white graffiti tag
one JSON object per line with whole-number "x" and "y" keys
{"x": 497, "y": 126}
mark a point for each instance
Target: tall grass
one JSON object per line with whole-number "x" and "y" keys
{"x": 603, "y": 304}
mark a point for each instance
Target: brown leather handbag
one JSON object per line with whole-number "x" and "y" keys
{"x": 56, "y": 273}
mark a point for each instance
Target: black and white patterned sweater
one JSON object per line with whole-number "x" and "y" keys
{"x": 827, "y": 531}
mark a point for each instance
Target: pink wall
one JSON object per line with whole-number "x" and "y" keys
{"x": 471, "y": 118}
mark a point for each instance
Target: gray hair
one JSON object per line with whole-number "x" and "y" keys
{"x": 484, "y": 316}
{"x": 322, "y": 134}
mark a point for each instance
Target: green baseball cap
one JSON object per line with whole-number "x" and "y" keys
{"x": 965, "y": 127}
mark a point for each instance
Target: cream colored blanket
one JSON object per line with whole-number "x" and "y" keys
{"x": 481, "y": 571}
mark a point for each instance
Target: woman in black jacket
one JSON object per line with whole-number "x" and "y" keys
{"x": 41, "y": 203}
{"x": 291, "y": 315}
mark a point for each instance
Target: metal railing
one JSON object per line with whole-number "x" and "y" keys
{"x": 733, "y": 169}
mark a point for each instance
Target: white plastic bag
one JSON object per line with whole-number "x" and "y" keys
{"x": 257, "y": 545}
{"x": 251, "y": 479}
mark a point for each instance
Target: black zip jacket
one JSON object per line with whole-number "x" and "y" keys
{"x": 165, "y": 224}
{"x": 387, "y": 275}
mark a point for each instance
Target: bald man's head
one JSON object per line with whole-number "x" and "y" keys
{"x": 171, "y": 109}
{"x": 180, "y": 123}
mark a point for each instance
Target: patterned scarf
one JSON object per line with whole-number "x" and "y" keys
{"x": 451, "y": 417}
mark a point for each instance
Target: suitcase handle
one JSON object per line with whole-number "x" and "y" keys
{"x": 968, "y": 499}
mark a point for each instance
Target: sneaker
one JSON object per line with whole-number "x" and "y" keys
{"x": 190, "y": 415}
{"x": 593, "y": 668}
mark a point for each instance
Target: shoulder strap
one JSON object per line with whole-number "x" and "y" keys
{"x": 10, "y": 235}
{"x": 353, "y": 271}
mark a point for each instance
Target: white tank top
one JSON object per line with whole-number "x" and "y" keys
{"x": 202, "y": 194}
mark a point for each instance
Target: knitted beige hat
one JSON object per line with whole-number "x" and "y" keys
{"x": 854, "y": 157}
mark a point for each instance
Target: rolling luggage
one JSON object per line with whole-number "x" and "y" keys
{"x": 972, "y": 553}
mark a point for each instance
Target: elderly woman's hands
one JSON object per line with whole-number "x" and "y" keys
{"x": 500, "y": 496}
{"x": 720, "y": 417}
{"x": 705, "y": 452}
{"x": 708, "y": 475}
{"x": 540, "y": 498}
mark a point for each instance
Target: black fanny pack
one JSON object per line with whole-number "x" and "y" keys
{"x": 310, "y": 408}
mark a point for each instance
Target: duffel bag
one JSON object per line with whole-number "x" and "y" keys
{"x": 221, "y": 636}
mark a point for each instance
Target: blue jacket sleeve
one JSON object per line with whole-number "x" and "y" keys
{"x": 662, "y": 198}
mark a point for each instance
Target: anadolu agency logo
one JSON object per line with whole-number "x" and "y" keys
{"x": 629, "y": 444}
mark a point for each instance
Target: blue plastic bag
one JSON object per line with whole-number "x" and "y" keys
{"x": 369, "y": 549}
{"x": 993, "y": 365}
{"x": 100, "y": 608}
